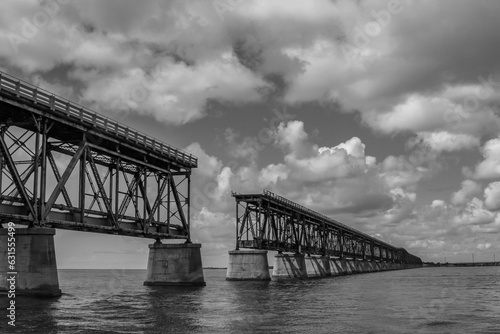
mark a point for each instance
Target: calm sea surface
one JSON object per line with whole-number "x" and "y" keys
{"x": 426, "y": 300}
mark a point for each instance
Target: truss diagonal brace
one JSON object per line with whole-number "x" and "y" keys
{"x": 158, "y": 201}
{"x": 64, "y": 178}
{"x": 58, "y": 178}
{"x": 100, "y": 186}
{"x": 180, "y": 209}
{"x": 15, "y": 176}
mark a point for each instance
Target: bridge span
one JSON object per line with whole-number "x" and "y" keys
{"x": 269, "y": 222}
{"x": 65, "y": 166}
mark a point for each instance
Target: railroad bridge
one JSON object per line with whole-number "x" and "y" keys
{"x": 67, "y": 167}
{"x": 63, "y": 166}
{"x": 268, "y": 222}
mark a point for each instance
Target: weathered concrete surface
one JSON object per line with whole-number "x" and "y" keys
{"x": 174, "y": 264}
{"x": 289, "y": 266}
{"x": 248, "y": 265}
{"x": 35, "y": 262}
{"x": 245, "y": 264}
{"x": 343, "y": 266}
{"x": 336, "y": 267}
{"x": 317, "y": 266}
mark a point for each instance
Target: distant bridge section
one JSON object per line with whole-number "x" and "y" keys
{"x": 65, "y": 166}
{"x": 270, "y": 222}
{"x": 468, "y": 264}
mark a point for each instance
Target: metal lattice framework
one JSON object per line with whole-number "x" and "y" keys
{"x": 271, "y": 222}
{"x": 65, "y": 166}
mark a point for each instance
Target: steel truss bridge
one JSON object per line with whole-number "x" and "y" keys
{"x": 271, "y": 222}
{"x": 65, "y": 166}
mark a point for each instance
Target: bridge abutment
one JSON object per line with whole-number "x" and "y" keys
{"x": 35, "y": 262}
{"x": 174, "y": 264}
{"x": 289, "y": 266}
{"x": 248, "y": 265}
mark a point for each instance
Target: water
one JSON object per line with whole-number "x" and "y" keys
{"x": 425, "y": 300}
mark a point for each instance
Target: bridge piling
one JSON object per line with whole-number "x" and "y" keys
{"x": 248, "y": 265}
{"x": 317, "y": 266}
{"x": 174, "y": 264}
{"x": 35, "y": 265}
{"x": 289, "y": 266}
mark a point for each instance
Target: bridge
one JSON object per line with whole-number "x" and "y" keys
{"x": 467, "y": 264}
{"x": 65, "y": 166}
{"x": 269, "y": 222}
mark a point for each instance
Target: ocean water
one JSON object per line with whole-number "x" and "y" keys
{"x": 424, "y": 300}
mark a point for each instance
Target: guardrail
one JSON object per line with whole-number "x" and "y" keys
{"x": 64, "y": 107}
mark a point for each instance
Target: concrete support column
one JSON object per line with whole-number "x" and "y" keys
{"x": 317, "y": 266}
{"x": 358, "y": 266}
{"x": 174, "y": 264}
{"x": 336, "y": 267}
{"x": 35, "y": 262}
{"x": 372, "y": 265}
{"x": 363, "y": 266}
{"x": 248, "y": 265}
{"x": 347, "y": 264}
{"x": 289, "y": 266}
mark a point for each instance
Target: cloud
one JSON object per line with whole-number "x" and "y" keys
{"x": 475, "y": 214}
{"x": 155, "y": 58}
{"x": 446, "y": 141}
{"x": 489, "y": 167}
{"x": 175, "y": 92}
{"x": 437, "y": 203}
{"x": 467, "y": 191}
{"x": 492, "y": 196}
{"x": 484, "y": 246}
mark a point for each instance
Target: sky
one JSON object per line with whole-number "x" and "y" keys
{"x": 381, "y": 114}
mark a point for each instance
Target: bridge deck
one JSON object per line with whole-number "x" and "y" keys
{"x": 17, "y": 95}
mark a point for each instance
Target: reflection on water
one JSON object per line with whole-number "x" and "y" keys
{"x": 427, "y": 300}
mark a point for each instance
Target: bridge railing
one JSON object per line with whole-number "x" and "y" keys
{"x": 64, "y": 107}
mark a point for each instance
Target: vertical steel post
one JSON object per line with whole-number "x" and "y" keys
{"x": 1, "y": 165}
{"x": 35, "y": 166}
{"x": 160, "y": 197}
{"x": 188, "y": 201}
{"x": 144, "y": 199}
{"x": 169, "y": 190}
{"x": 117, "y": 187}
{"x": 258, "y": 226}
{"x": 341, "y": 243}
{"x": 81, "y": 193}
{"x": 237, "y": 223}
{"x": 43, "y": 178}
{"x": 111, "y": 195}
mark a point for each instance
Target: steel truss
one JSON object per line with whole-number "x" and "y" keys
{"x": 72, "y": 173}
{"x": 271, "y": 222}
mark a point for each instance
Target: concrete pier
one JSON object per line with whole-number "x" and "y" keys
{"x": 289, "y": 266}
{"x": 174, "y": 264}
{"x": 35, "y": 262}
{"x": 317, "y": 266}
{"x": 252, "y": 264}
{"x": 248, "y": 265}
{"x": 336, "y": 268}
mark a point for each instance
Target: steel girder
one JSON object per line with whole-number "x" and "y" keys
{"x": 271, "y": 222}
{"x": 80, "y": 185}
